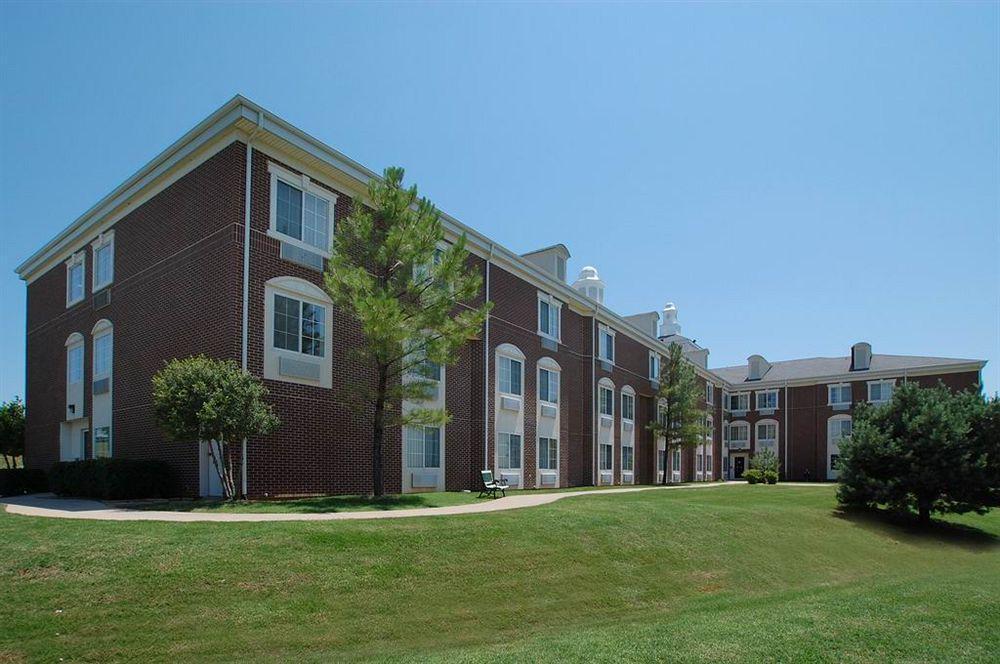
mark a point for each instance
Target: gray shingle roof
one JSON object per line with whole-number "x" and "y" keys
{"x": 817, "y": 367}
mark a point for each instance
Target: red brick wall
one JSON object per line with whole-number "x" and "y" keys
{"x": 175, "y": 293}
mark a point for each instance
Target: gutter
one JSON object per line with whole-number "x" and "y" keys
{"x": 593, "y": 397}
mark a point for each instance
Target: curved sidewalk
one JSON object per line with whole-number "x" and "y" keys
{"x": 48, "y": 505}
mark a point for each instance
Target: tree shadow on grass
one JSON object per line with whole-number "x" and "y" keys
{"x": 317, "y": 505}
{"x": 904, "y": 524}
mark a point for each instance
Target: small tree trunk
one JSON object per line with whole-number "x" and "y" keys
{"x": 923, "y": 511}
{"x": 220, "y": 467}
{"x": 378, "y": 433}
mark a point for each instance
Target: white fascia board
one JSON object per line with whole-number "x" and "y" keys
{"x": 202, "y": 133}
{"x": 857, "y": 376}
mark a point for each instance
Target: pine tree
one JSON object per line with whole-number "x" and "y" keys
{"x": 412, "y": 298}
{"x": 680, "y": 408}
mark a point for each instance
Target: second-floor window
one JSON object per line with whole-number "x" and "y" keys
{"x": 549, "y": 311}
{"x": 510, "y": 376}
{"x": 75, "y": 269}
{"x": 767, "y": 400}
{"x": 606, "y": 398}
{"x": 299, "y": 326}
{"x": 654, "y": 366}
{"x": 628, "y": 406}
{"x": 709, "y": 393}
{"x": 739, "y": 432}
{"x": 840, "y": 395}
{"x": 767, "y": 432}
{"x": 607, "y": 347}
{"x": 548, "y": 386}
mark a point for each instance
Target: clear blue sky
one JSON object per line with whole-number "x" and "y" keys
{"x": 795, "y": 177}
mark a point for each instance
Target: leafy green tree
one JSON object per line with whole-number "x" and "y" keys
{"x": 765, "y": 460}
{"x": 928, "y": 450}
{"x": 12, "y": 431}
{"x": 681, "y": 411}
{"x": 413, "y": 299}
{"x": 201, "y": 399}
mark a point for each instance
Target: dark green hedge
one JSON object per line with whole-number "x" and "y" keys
{"x": 19, "y": 481}
{"x": 113, "y": 479}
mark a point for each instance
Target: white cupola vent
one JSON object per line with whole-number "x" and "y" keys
{"x": 757, "y": 366}
{"x": 861, "y": 356}
{"x": 670, "y": 326}
{"x": 590, "y": 284}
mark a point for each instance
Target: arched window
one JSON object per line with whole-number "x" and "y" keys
{"x": 102, "y": 340}
{"x": 74, "y": 376}
{"x": 297, "y": 317}
{"x": 549, "y": 373}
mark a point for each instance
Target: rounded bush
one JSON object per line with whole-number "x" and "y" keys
{"x": 754, "y": 476}
{"x": 770, "y": 477}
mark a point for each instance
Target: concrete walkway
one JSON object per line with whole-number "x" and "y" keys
{"x": 49, "y": 505}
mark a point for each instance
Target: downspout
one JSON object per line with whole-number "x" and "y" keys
{"x": 486, "y": 370}
{"x": 246, "y": 278}
{"x": 593, "y": 399}
{"x": 787, "y": 415}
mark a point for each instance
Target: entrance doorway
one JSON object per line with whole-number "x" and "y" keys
{"x": 739, "y": 465}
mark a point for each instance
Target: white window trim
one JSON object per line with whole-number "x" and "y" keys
{"x": 710, "y": 393}
{"x": 605, "y": 330}
{"x": 829, "y": 394}
{"x": 503, "y": 354}
{"x": 303, "y": 291}
{"x": 758, "y": 439}
{"x": 629, "y": 392}
{"x": 552, "y": 366}
{"x": 758, "y": 394}
{"x": 832, "y": 473}
{"x": 501, "y": 468}
{"x": 538, "y": 456}
{"x": 729, "y": 434}
{"x": 553, "y": 304}
{"x": 888, "y": 381}
{"x": 106, "y": 238}
{"x": 79, "y": 258}
{"x": 74, "y": 342}
{"x": 307, "y": 185}
{"x": 605, "y": 384}
{"x": 653, "y": 355}
{"x": 740, "y": 396}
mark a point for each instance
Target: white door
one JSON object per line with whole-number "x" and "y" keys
{"x": 211, "y": 483}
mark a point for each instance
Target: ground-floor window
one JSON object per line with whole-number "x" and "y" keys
{"x": 661, "y": 459}
{"x": 628, "y": 458}
{"x": 708, "y": 466}
{"x": 607, "y": 456}
{"x": 423, "y": 447}
{"x": 677, "y": 460}
{"x": 548, "y": 454}
{"x": 509, "y": 451}
{"x": 102, "y": 442}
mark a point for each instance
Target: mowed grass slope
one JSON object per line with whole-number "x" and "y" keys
{"x": 727, "y": 573}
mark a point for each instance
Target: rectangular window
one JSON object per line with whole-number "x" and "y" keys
{"x": 104, "y": 260}
{"x": 709, "y": 429}
{"x": 548, "y": 454}
{"x": 699, "y": 463}
{"x": 74, "y": 365}
{"x": 880, "y": 392}
{"x": 302, "y": 213}
{"x": 606, "y": 398}
{"x": 607, "y": 346}
{"x": 75, "y": 268}
{"x": 102, "y": 442}
{"x": 767, "y": 400}
{"x": 767, "y": 432}
{"x": 510, "y": 376}
{"x": 549, "y": 313}
{"x": 709, "y": 393}
{"x": 739, "y": 433}
{"x": 607, "y": 456}
{"x": 840, "y": 395}
{"x": 661, "y": 460}
{"x": 654, "y": 366}
{"x": 628, "y": 407}
{"x": 423, "y": 447}
{"x": 548, "y": 386}
{"x": 628, "y": 458}
{"x": 739, "y": 402}
{"x": 299, "y": 326}
{"x": 102, "y": 356}
{"x": 509, "y": 451}
{"x": 676, "y": 467}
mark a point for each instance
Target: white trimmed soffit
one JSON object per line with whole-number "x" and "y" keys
{"x": 855, "y": 376}
{"x": 234, "y": 121}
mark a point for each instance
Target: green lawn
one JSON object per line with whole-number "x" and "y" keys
{"x": 733, "y": 574}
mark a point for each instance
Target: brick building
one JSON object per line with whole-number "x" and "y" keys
{"x": 217, "y": 246}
